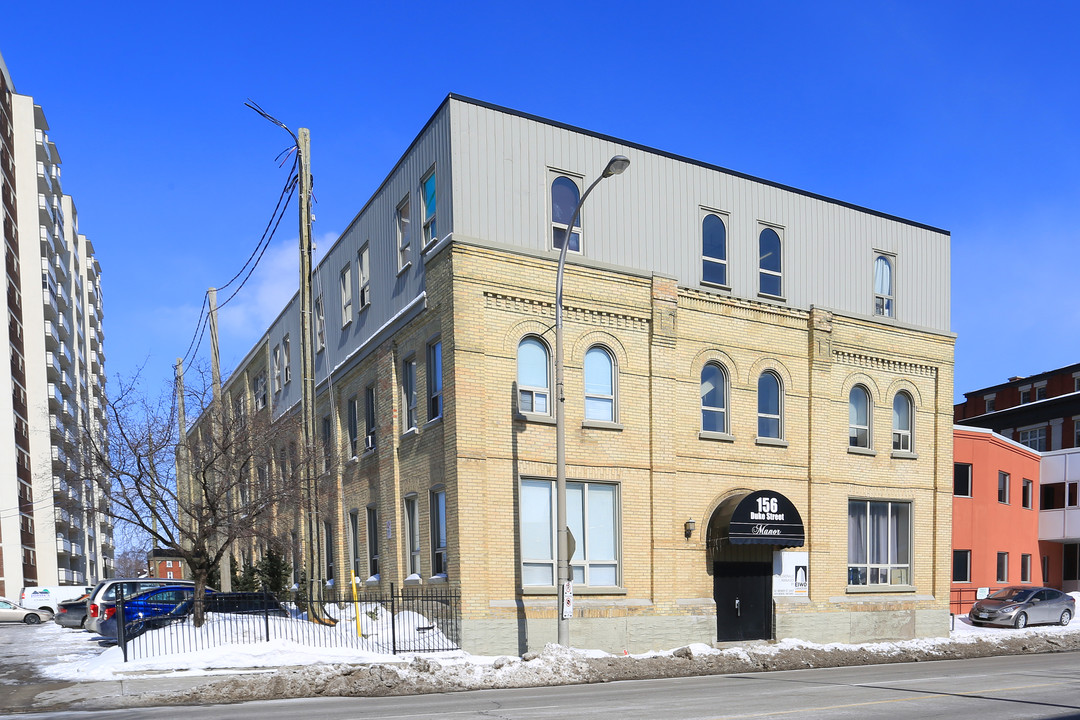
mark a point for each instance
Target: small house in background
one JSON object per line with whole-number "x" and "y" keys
{"x": 165, "y": 563}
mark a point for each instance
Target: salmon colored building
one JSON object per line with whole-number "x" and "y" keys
{"x": 995, "y": 517}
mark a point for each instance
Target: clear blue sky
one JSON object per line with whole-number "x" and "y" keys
{"x": 964, "y": 116}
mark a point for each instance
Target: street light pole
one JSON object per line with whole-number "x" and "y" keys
{"x": 615, "y": 166}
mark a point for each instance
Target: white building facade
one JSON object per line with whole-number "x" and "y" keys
{"x": 52, "y": 528}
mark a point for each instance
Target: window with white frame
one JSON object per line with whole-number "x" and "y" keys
{"x": 1040, "y": 391}
{"x": 364, "y": 276}
{"x": 427, "y": 186}
{"x": 533, "y": 367}
{"x": 408, "y": 394}
{"x": 286, "y": 359}
{"x": 275, "y": 361}
{"x": 564, "y": 200}
{"x": 592, "y": 515}
{"x": 411, "y": 519}
{"x": 403, "y": 241}
{"x": 346, "y": 295}
{"x": 439, "y": 560}
{"x": 1003, "y": 567}
{"x": 883, "y": 286}
{"x": 961, "y": 566}
{"x": 373, "y": 540}
{"x": 320, "y": 325}
{"x": 1003, "y": 487}
{"x": 354, "y": 528}
{"x": 990, "y": 403}
{"x": 962, "y": 479}
{"x": 902, "y": 422}
{"x": 1025, "y": 395}
{"x": 879, "y": 542}
{"x": 714, "y": 250}
{"x": 259, "y": 391}
{"x": 369, "y": 418}
{"x": 434, "y": 381}
{"x": 770, "y": 402}
{"x": 1025, "y": 568}
{"x": 240, "y": 410}
{"x": 599, "y": 384}
{"x": 1034, "y": 438}
{"x": 859, "y": 417}
{"x": 770, "y": 263}
{"x": 351, "y": 424}
{"x": 1027, "y": 494}
{"x": 713, "y": 398}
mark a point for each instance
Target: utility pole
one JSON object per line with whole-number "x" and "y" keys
{"x": 309, "y": 529}
{"x": 216, "y": 425}
{"x": 183, "y": 482}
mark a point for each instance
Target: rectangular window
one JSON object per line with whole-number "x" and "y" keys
{"x": 412, "y": 534}
{"x": 346, "y": 295}
{"x": 1003, "y": 487}
{"x": 961, "y": 566}
{"x": 1040, "y": 392}
{"x": 1025, "y": 396}
{"x": 351, "y": 422}
{"x": 328, "y": 549}
{"x": 259, "y": 391}
{"x": 326, "y": 443}
{"x": 1003, "y": 567}
{"x": 364, "y": 277}
{"x": 879, "y": 543}
{"x": 168, "y": 563}
{"x": 1025, "y": 568}
{"x": 1034, "y": 438}
{"x": 434, "y": 381}
{"x": 408, "y": 394}
{"x": 286, "y": 359}
{"x": 1071, "y": 494}
{"x": 373, "y": 541}
{"x": 592, "y": 515}
{"x": 438, "y": 533}
{"x": 402, "y": 223}
{"x": 354, "y": 528}
{"x": 427, "y": 185}
{"x": 990, "y": 403}
{"x": 239, "y": 411}
{"x": 275, "y": 360}
{"x": 1045, "y": 569}
{"x": 170, "y": 576}
{"x": 962, "y": 480}
{"x": 883, "y": 284}
{"x": 1028, "y": 492}
{"x": 320, "y": 325}
{"x": 1070, "y": 569}
{"x": 369, "y": 417}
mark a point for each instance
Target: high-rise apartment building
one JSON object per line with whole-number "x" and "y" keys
{"x": 52, "y": 528}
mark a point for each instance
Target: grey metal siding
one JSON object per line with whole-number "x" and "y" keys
{"x": 649, "y": 218}
{"x": 375, "y": 226}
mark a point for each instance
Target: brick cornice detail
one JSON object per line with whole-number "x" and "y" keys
{"x": 525, "y": 306}
{"x": 878, "y": 363}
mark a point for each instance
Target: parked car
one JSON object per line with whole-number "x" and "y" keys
{"x": 1021, "y": 606}
{"x": 105, "y": 592}
{"x": 11, "y": 611}
{"x": 49, "y": 597}
{"x": 72, "y": 613}
{"x": 144, "y": 607}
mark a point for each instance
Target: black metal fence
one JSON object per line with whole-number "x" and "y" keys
{"x": 409, "y": 619}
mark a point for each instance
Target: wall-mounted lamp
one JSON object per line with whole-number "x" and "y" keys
{"x": 688, "y": 528}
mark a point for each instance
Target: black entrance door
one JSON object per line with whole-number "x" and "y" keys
{"x": 743, "y": 594}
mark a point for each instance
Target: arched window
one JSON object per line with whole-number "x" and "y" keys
{"x": 564, "y": 199}
{"x": 770, "y": 265}
{"x": 859, "y": 417}
{"x": 901, "y": 422}
{"x": 599, "y": 385}
{"x": 713, "y": 250}
{"x": 713, "y": 399}
{"x": 883, "y": 286}
{"x": 533, "y": 386}
{"x": 769, "y": 406}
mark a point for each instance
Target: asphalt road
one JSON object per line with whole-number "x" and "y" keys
{"x": 1028, "y": 686}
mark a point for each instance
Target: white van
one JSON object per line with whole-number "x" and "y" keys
{"x": 49, "y": 597}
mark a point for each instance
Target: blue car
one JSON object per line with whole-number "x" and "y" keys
{"x": 142, "y": 609}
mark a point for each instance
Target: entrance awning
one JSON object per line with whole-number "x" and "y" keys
{"x": 763, "y": 517}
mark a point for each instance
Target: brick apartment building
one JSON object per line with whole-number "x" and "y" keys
{"x": 1041, "y": 411}
{"x": 758, "y": 383}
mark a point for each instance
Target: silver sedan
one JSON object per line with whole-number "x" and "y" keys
{"x": 11, "y": 611}
{"x": 1020, "y": 606}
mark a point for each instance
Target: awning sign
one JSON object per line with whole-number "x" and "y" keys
{"x": 766, "y": 517}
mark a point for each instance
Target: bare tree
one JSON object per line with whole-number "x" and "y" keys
{"x": 131, "y": 563}
{"x": 198, "y": 493}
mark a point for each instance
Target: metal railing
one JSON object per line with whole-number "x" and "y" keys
{"x": 961, "y": 599}
{"x": 399, "y": 620}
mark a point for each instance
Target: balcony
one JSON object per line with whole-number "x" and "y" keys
{"x": 59, "y": 458}
{"x": 76, "y": 549}
{"x": 52, "y": 335}
{"x": 48, "y": 299}
{"x": 63, "y": 545}
{"x": 76, "y": 521}
{"x": 107, "y": 547}
{"x": 56, "y": 400}
{"x": 93, "y": 338}
{"x": 69, "y": 411}
{"x": 56, "y": 427}
{"x": 65, "y": 355}
{"x": 65, "y": 576}
{"x": 60, "y": 266}
{"x": 62, "y": 517}
{"x": 63, "y": 297}
{"x": 52, "y": 366}
{"x": 59, "y": 485}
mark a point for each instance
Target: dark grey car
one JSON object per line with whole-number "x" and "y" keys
{"x": 1021, "y": 606}
{"x": 72, "y": 613}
